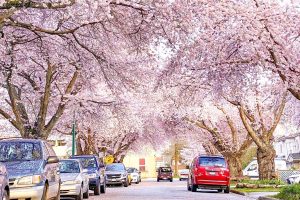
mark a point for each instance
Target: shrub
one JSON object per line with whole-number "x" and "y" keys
{"x": 291, "y": 192}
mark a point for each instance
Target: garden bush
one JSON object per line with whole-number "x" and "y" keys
{"x": 291, "y": 192}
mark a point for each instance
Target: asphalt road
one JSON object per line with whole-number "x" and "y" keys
{"x": 151, "y": 190}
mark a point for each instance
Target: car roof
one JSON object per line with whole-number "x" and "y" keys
{"x": 76, "y": 160}
{"x": 84, "y": 156}
{"x": 210, "y": 156}
{"x": 116, "y": 164}
{"x": 21, "y": 140}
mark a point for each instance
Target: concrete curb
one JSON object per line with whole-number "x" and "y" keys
{"x": 266, "y": 198}
{"x": 238, "y": 192}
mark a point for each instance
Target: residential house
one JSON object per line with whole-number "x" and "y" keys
{"x": 145, "y": 161}
{"x": 288, "y": 147}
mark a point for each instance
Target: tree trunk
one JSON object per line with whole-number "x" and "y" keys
{"x": 235, "y": 165}
{"x": 176, "y": 158}
{"x": 209, "y": 148}
{"x": 266, "y": 163}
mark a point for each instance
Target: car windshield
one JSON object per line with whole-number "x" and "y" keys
{"x": 130, "y": 170}
{"x": 166, "y": 169}
{"x": 115, "y": 167}
{"x": 20, "y": 151}
{"x": 69, "y": 166}
{"x": 212, "y": 162}
{"x": 88, "y": 162}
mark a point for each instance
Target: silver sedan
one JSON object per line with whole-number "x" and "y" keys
{"x": 75, "y": 181}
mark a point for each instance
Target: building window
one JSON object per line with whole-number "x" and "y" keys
{"x": 142, "y": 164}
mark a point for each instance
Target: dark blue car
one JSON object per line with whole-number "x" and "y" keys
{"x": 96, "y": 172}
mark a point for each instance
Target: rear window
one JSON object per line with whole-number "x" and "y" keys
{"x": 165, "y": 169}
{"x": 212, "y": 162}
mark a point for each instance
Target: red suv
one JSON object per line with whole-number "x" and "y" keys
{"x": 209, "y": 172}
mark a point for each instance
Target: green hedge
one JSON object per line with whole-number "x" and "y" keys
{"x": 291, "y": 192}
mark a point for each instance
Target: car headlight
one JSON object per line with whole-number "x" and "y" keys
{"x": 124, "y": 175}
{"x": 2, "y": 170}
{"x": 30, "y": 180}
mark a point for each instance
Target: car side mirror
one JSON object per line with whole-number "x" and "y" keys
{"x": 52, "y": 159}
{"x": 85, "y": 171}
{"x": 101, "y": 165}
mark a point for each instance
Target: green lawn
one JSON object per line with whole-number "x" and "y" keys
{"x": 249, "y": 190}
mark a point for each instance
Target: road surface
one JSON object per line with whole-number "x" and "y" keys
{"x": 151, "y": 190}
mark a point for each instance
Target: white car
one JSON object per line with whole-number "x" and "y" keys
{"x": 4, "y": 188}
{"x": 251, "y": 170}
{"x": 135, "y": 175}
{"x": 183, "y": 174}
{"x": 74, "y": 179}
{"x": 295, "y": 178}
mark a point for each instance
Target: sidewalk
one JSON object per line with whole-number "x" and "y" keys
{"x": 261, "y": 194}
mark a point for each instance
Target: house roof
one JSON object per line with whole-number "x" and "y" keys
{"x": 283, "y": 138}
{"x": 294, "y": 157}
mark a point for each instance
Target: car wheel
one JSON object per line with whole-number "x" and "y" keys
{"x": 126, "y": 184}
{"x": 103, "y": 188}
{"x": 171, "y": 180}
{"x": 180, "y": 179}
{"x": 80, "y": 195}
{"x": 220, "y": 190}
{"x": 86, "y": 195}
{"x": 157, "y": 179}
{"x": 194, "y": 188}
{"x": 5, "y": 195}
{"x": 188, "y": 187}
{"x": 97, "y": 189}
{"x": 227, "y": 190}
{"x": 137, "y": 182}
{"x": 45, "y": 192}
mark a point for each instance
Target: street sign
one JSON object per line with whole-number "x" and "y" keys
{"x": 109, "y": 159}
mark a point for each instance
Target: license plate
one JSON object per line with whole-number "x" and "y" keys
{"x": 212, "y": 173}
{"x": 114, "y": 180}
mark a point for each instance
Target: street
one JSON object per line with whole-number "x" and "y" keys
{"x": 152, "y": 190}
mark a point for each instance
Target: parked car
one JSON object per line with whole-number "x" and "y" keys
{"x": 116, "y": 174}
{"x": 183, "y": 174}
{"x": 209, "y": 172}
{"x": 4, "y": 186}
{"x": 96, "y": 172}
{"x": 165, "y": 173}
{"x": 251, "y": 170}
{"x": 295, "y": 178}
{"x": 32, "y": 167}
{"x": 129, "y": 178}
{"x": 74, "y": 179}
{"x": 135, "y": 175}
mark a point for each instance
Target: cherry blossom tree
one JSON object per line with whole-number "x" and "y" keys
{"x": 51, "y": 50}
